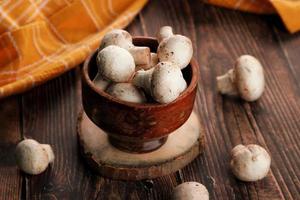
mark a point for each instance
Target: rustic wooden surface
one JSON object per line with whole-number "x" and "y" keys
{"x": 48, "y": 113}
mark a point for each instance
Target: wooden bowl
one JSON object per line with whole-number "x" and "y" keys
{"x": 136, "y": 127}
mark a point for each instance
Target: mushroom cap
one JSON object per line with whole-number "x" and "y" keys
{"x": 31, "y": 157}
{"x": 117, "y": 37}
{"x": 126, "y": 92}
{"x": 167, "y": 82}
{"x": 190, "y": 191}
{"x": 250, "y": 163}
{"x": 115, "y": 64}
{"x": 249, "y": 77}
{"x": 177, "y": 49}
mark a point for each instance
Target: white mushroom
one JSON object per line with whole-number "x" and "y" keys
{"x": 174, "y": 48}
{"x": 153, "y": 62}
{"x": 164, "y": 82}
{"x": 33, "y": 157}
{"x": 246, "y": 79}
{"x": 123, "y": 39}
{"x": 126, "y": 92}
{"x": 115, "y": 64}
{"x": 190, "y": 191}
{"x": 250, "y": 163}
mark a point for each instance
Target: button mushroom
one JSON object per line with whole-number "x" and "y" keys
{"x": 115, "y": 64}
{"x": 246, "y": 79}
{"x": 250, "y": 163}
{"x": 164, "y": 82}
{"x": 177, "y": 49}
{"x": 126, "y": 92}
{"x": 33, "y": 157}
{"x": 123, "y": 39}
{"x": 190, "y": 191}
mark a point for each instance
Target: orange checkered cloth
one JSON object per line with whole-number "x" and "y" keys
{"x": 41, "y": 39}
{"x": 288, "y": 10}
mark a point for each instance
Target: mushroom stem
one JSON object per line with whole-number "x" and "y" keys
{"x": 164, "y": 32}
{"x": 101, "y": 82}
{"x": 226, "y": 85}
{"x": 153, "y": 62}
{"x": 141, "y": 55}
{"x": 143, "y": 79}
{"x": 49, "y": 152}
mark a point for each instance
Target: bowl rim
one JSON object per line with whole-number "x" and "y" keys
{"x": 193, "y": 83}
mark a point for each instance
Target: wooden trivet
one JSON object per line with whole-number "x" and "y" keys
{"x": 182, "y": 146}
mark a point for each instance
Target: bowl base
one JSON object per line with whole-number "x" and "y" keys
{"x": 181, "y": 147}
{"x": 137, "y": 147}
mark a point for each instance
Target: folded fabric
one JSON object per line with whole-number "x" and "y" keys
{"x": 288, "y": 10}
{"x": 40, "y": 40}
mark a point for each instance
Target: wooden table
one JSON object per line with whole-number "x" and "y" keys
{"x": 49, "y": 112}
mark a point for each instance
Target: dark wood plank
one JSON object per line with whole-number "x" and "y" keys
{"x": 290, "y": 44}
{"x": 10, "y": 135}
{"x": 159, "y": 188}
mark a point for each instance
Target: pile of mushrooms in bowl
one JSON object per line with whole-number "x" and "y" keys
{"x": 139, "y": 90}
{"x": 135, "y": 74}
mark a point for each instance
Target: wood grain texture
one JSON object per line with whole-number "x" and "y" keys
{"x": 219, "y": 36}
{"x": 10, "y": 135}
{"x": 50, "y": 113}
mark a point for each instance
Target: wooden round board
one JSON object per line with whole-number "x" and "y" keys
{"x": 182, "y": 146}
